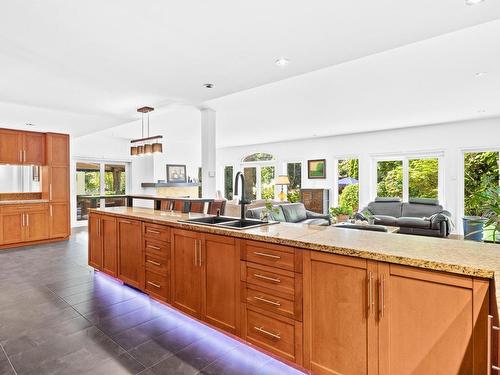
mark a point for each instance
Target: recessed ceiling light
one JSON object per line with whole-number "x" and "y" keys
{"x": 29, "y": 124}
{"x": 473, "y": 2}
{"x": 208, "y": 85}
{"x": 481, "y": 111}
{"x": 282, "y": 61}
{"x": 481, "y": 74}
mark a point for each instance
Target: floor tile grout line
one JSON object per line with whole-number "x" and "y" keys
{"x": 8, "y": 359}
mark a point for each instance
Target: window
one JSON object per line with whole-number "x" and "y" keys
{"x": 250, "y": 174}
{"x": 294, "y": 171}
{"x": 480, "y": 172}
{"x": 348, "y": 183}
{"x": 259, "y": 171}
{"x": 423, "y": 178}
{"x": 258, "y": 156}
{"x": 97, "y": 185}
{"x": 390, "y": 178}
{"x": 228, "y": 182}
{"x": 267, "y": 182}
{"x": 409, "y": 177}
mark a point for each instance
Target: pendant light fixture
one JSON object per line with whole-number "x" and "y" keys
{"x": 147, "y": 145}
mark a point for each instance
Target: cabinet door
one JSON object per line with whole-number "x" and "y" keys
{"x": 59, "y": 220}
{"x": 10, "y": 147}
{"x": 340, "y": 335}
{"x": 130, "y": 259}
{"x": 37, "y": 225}
{"x": 34, "y": 148}
{"x": 59, "y": 184}
{"x": 220, "y": 282}
{"x": 13, "y": 227}
{"x": 431, "y": 322}
{"x": 57, "y": 149}
{"x": 109, "y": 245}
{"x": 186, "y": 272}
{"x": 95, "y": 241}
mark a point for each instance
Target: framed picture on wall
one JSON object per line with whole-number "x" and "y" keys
{"x": 316, "y": 168}
{"x": 176, "y": 173}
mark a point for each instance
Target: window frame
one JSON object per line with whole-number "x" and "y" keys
{"x": 336, "y": 159}
{"x": 405, "y": 159}
{"x": 258, "y": 165}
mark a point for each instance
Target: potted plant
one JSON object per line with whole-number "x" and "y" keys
{"x": 268, "y": 210}
{"x": 341, "y": 213}
{"x": 487, "y": 222}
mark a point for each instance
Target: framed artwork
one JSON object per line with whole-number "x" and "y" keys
{"x": 316, "y": 168}
{"x": 176, "y": 173}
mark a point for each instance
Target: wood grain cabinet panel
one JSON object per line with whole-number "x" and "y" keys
{"x": 109, "y": 235}
{"x": 33, "y": 148}
{"x": 186, "y": 272}
{"x": 430, "y": 322}
{"x": 220, "y": 282}
{"x": 95, "y": 241}
{"x": 339, "y": 328}
{"x": 57, "y": 149}
{"x": 12, "y": 227}
{"x": 10, "y": 147}
{"x": 36, "y": 225}
{"x": 130, "y": 258}
{"x": 59, "y": 220}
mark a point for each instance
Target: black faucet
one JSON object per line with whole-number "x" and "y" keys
{"x": 243, "y": 200}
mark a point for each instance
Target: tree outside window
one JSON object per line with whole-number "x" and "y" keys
{"x": 294, "y": 172}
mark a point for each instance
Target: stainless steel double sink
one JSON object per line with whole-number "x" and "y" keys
{"x": 228, "y": 222}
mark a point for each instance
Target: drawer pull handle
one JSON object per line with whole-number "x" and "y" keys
{"x": 154, "y": 284}
{"x": 265, "y": 300}
{"x": 154, "y": 247}
{"x": 153, "y": 262}
{"x": 275, "y": 336}
{"x": 267, "y": 278}
{"x": 267, "y": 255}
{"x": 153, "y": 231}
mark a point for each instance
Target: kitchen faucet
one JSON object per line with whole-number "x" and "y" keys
{"x": 243, "y": 200}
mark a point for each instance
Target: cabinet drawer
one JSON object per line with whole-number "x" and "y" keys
{"x": 271, "y": 302}
{"x": 156, "y": 232}
{"x": 275, "y": 335}
{"x": 271, "y": 255}
{"x": 8, "y": 209}
{"x": 156, "y": 264}
{"x": 157, "y": 285}
{"x": 268, "y": 277}
{"x": 157, "y": 248}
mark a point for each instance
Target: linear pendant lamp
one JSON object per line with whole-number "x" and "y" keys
{"x": 147, "y": 145}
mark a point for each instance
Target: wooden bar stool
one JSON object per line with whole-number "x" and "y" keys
{"x": 181, "y": 206}
{"x": 198, "y": 207}
{"x": 216, "y": 205}
{"x": 166, "y": 205}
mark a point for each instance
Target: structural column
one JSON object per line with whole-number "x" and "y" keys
{"x": 208, "y": 152}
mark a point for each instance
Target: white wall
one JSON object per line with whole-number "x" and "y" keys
{"x": 451, "y": 139}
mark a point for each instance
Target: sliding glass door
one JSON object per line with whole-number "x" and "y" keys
{"x": 99, "y": 184}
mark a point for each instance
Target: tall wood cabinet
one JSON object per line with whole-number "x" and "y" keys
{"x": 103, "y": 248}
{"x": 366, "y": 317}
{"x": 18, "y": 147}
{"x": 130, "y": 258}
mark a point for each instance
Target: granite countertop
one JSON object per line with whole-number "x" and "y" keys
{"x": 440, "y": 254}
{"x": 23, "y": 201}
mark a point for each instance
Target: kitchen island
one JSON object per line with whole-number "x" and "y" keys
{"x": 330, "y": 300}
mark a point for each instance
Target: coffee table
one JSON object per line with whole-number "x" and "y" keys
{"x": 370, "y": 227}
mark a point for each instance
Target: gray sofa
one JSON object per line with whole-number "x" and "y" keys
{"x": 291, "y": 213}
{"x": 420, "y": 216}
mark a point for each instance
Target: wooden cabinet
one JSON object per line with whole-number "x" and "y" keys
{"x": 366, "y": 317}
{"x": 57, "y": 149}
{"x": 340, "y": 335}
{"x": 316, "y": 200}
{"x": 18, "y": 147}
{"x": 220, "y": 261}
{"x": 33, "y": 148}
{"x": 59, "y": 220}
{"x": 130, "y": 258}
{"x": 55, "y": 182}
{"x": 431, "y": 322}
{"x": 186, "y": 272}
{"x": 95, "y": 242}
{"x": 24, "y": 223}
{"x": 103, "y": 249}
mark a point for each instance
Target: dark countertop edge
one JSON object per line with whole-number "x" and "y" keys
{"x": 401, "y": 260}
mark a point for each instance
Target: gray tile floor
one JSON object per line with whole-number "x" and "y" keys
{"x": 58, "y": 317}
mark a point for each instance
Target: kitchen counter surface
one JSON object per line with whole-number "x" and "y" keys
{"x": 23, "y": 201}
{"x": 455, "y": 256}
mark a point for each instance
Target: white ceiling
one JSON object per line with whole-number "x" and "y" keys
{"x": 86, "y": 66}
{"x": 428, "y": 82}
